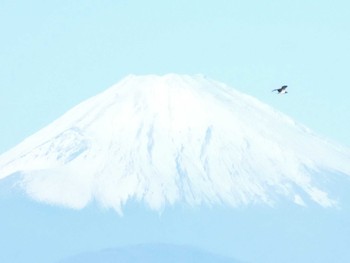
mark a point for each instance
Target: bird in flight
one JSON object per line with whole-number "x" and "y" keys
{"x": 281, "y": 90}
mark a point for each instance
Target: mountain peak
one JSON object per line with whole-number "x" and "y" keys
{"x": 174, "y": 138}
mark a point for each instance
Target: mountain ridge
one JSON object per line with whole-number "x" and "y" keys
{"x": 150, "y": 253}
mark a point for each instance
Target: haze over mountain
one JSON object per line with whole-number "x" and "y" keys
{"x": 155, "y": 253}
{"x": 175, "y": 138}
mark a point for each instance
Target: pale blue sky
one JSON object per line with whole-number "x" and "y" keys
{"x": 54, "y": 54}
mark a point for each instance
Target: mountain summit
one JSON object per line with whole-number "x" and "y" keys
{"x": 174, "y": 138}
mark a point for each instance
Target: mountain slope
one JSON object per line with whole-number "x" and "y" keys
{"x": 162, "y": 140}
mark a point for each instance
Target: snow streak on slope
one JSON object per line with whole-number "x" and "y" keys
{"x": 174, "y": 138}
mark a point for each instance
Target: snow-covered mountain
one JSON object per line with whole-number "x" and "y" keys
{"x": 174, "y": 138}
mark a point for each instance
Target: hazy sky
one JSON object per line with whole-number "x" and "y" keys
{"x": 54, "y": 54}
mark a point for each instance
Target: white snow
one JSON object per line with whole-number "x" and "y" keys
{"x": 174, "y": 138}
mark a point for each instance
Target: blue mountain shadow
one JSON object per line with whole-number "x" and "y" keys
{"x": 150, "y": 253}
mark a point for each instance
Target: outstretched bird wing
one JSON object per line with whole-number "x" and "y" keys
{"x": 281, "y": 89}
